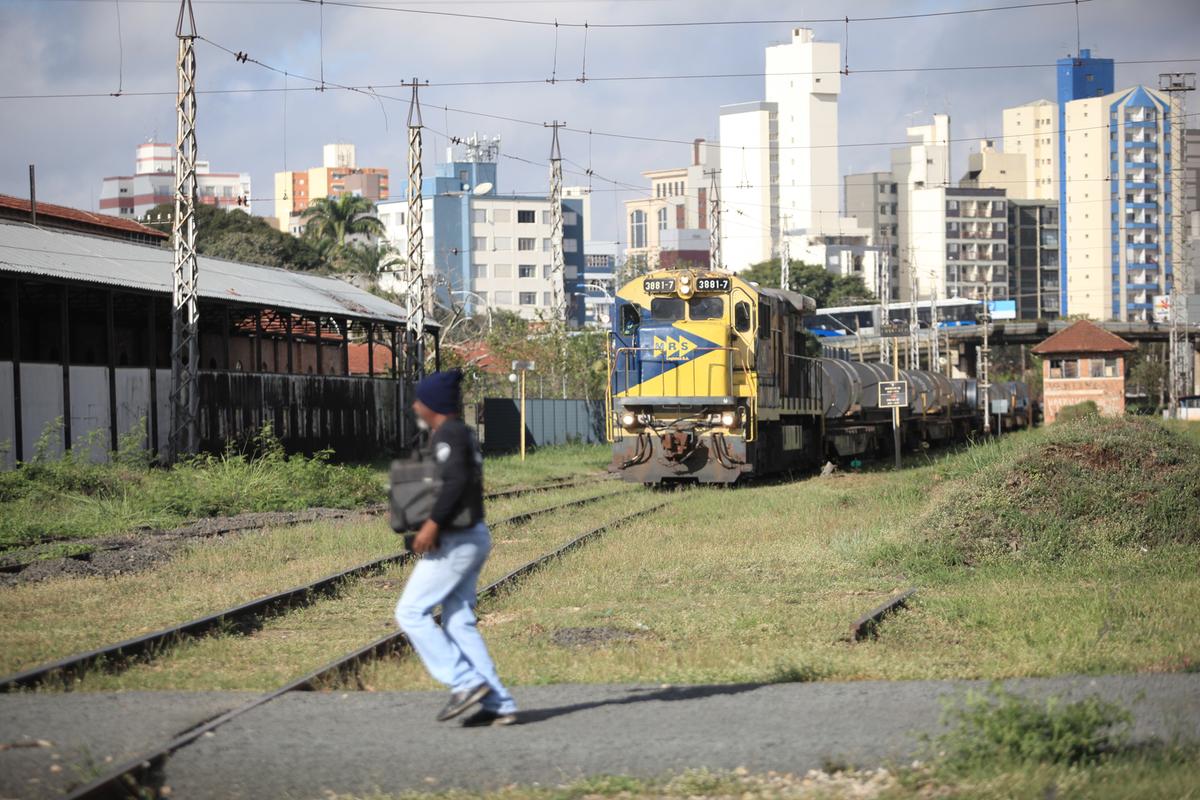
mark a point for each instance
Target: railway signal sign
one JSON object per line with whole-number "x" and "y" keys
{"x": 894, "y": 330}
{"x": 893, "y": 394}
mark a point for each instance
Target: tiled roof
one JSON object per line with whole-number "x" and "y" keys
{"x": 1083, "y": 337}
{"x": 21, "y": 205}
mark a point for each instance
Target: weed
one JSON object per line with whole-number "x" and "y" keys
{"x": 1087, "y": 408}
{"x": 1006, "y": 729}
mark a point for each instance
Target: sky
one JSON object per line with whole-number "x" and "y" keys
{"x": 102, "y": 46}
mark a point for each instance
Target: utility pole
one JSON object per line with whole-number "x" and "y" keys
{"x": 883, "y": 284}
{"x": 557, "y": 267}
{"x": 985, "y": 355}
{"x": 185, "y": 312}
{"x": 785, "y": 267}
{"x": 914, "y": 324}
{"x": 714, "y": 219}
{"x": 418, "y": 295}
{"x": 1175, "y": 84}
{"x": 934, "y": 341}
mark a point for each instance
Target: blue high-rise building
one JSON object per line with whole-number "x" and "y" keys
{"x": 1078, "y": 77}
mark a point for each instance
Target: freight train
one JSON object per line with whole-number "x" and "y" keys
{"x": 713, "y": 379}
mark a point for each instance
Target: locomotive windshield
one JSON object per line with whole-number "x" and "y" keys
{"x": 666, "y": 309}
{"x": 706, "y": 308}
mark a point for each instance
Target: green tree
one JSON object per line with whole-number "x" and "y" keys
{"x": 241, "y": 237}
{"x": 328, "y": 221}
{"x": 813, "y": 280}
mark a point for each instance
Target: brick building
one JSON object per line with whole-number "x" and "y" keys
{"x": 1083, "y": 362}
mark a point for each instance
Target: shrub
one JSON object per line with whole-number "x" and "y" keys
{"x": 999, "y": 729}
{"x": 1087, "y": 408}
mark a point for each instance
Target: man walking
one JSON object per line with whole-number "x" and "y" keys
{"x": 453, "y": 544}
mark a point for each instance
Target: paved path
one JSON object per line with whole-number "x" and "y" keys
{"x": 306, "y": 743}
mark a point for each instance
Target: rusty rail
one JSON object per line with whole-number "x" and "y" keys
{"x": 867, "y": 626}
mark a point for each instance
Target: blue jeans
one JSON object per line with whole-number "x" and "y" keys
{"x": 454, "y": 652}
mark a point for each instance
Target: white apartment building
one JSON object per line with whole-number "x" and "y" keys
{"x": 959, "y": 243}
{"x": 1032, "y": 130}
{"x": 749, "y": 184}
{"x": 923, "y": 163}
{"x": 803, "y": 81}
{"x": 153, "y": 183}
{"x": 1118, "y": 199}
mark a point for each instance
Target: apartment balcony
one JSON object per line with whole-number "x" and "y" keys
{"x": 1142, "y": 245}
{"x": 1146, "y": 143}
{"x": 1146, "y": 185}
{"x": 1141, "y": 225}
{"x": 1141, "y": 123}
{"x": 1141, "y": 165}
{"x": 1141, "y": 287}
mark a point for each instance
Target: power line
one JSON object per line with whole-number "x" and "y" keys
{"x": 376, "y": 6}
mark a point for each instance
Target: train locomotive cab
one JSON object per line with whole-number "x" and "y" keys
{"x": 689, "y": 360}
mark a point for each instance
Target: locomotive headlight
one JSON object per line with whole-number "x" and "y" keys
{"x": 628, "y": 419}
{"x": 728, "y": 419}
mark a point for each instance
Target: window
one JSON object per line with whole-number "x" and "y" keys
{"x": 545, "y": 217}
{"x": 504, "y": 298}
{"x": 479, "y": 243}
{"x": 526, "y": 244}
{"x": 528, "y": 298}
{"x": 741, "y": 317}
{"x": 570, "y": 245}
{"x": 502, "y": 271}
{"x": 666, "y": 309}
{"x": 526, "y": 216}
{"x": 502, "y": 215}
{"x": 630, "y": 319}
{"x": 545, "y": 245}
{"x": 546, "y": 271}
{"x": 662, "y": 219}
{"x": 637, "y": 229}
{"x": 480, "y": 271}
{"x": 570, "y": 218}
{"x": 1103, "y": 368}
{"x": 1064, "y": 368}
{"x": 502, "y": 243}
{"x": 546, "y": 299}
{"x": 478, "y": 215}
{"x": 527, "y": 271}
{"x": 706, "y": 308}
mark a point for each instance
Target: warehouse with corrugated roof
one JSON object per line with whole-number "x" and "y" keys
{"x": 85, "y": 351}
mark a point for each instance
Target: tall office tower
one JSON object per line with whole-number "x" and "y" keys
{"x": 1116, "y": 228}
{"x": 1078, "y": 77}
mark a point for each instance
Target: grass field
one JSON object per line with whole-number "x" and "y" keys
{"x": 74, "y": 500}
{"x": 51, "y": 619}
{"x": 757, "y": 584}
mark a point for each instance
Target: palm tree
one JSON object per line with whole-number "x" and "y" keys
{"x": 328, "y": 221}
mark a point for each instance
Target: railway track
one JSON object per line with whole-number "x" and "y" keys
{"x": 138, "y": 776}
{"x": 244, "y": 617}
{"x": 220, "y": 526}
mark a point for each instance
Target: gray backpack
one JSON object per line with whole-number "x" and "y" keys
{"x": 415, "y": 488}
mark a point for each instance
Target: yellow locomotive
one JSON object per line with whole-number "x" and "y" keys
{"x": 709, "y": 379}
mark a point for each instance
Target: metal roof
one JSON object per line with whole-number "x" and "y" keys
{"x": 28, "y": 250}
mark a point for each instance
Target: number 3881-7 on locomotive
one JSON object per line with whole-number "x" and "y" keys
{"x": 709, "y": 379}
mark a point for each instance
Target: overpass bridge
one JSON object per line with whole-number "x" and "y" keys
{"x": 959, "y": 344}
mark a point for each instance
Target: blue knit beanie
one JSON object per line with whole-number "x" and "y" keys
{"x": 439, "y": 391}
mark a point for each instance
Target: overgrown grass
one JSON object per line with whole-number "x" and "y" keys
{"x": 72, "y": 497}
{"x": 546, "y": 464}
{"x": 1091, "y": 486}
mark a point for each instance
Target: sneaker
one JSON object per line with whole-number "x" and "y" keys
{"x": 484, "y": 718}
{"x": 461, "y": 701}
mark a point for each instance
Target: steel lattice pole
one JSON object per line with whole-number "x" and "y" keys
{"x": 415, "y": 301}
{"x": 714, "y": 220}
{"x": 1179, "y": 354}
{"x": 185, "y": 317}
{"x": 557, "y": 265}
